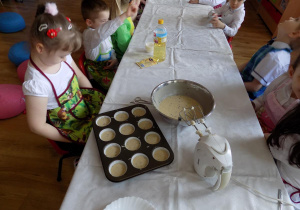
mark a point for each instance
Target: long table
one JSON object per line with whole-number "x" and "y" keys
{"x": 201, "y": 54}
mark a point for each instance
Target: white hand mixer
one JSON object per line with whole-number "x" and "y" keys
{"x": 212, "y": 155}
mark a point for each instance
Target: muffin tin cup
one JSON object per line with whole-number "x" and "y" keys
{"x": 126, "y": 156}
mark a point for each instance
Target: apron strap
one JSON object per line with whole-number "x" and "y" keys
{"x": 294, "y": 193}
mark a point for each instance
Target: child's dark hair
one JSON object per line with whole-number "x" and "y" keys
{"x": 91, "y": 8}
{"x": 288, "y": 125}
{"x": 67, "y": 37}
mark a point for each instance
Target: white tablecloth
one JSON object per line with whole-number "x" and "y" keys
{"x": 201, "y": 54}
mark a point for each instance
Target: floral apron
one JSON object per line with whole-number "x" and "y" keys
{"x": 102, "y": 76}
{"x": 77, "y": 108}
{"x": 273, "y": 111}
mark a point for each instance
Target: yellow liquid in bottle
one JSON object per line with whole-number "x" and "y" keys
{"x": 159, "y": 52}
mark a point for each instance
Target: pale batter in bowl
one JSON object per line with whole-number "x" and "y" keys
{"x": 173, "y": 105}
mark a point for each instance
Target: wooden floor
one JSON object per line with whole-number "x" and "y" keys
{"x": 28, "y": 164}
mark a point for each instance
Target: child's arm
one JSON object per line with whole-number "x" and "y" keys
{"x": 230, "y": 29}
{"x": 36, "y": 112}
{"x": 82, "y": 79}
{"x": 92, "y": 38}
{"x": 253, "y": 86}
{"x": 194, "y": 1}
{"x": 206, "y": 2}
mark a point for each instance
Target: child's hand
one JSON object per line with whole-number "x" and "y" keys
{"x": 133, "y": 8}
{"x": 216, "y": 22}
{"x": 111, "y": 64}
{"x": 194, "y": 1}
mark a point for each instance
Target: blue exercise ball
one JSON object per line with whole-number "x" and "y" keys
{"x": 11, "y": 22}
{"x": 19, "y": 52}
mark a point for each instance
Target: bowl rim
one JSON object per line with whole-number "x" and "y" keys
{"x": 165, "y": 83}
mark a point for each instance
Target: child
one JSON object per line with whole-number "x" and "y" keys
{"x": 52, "y": 81}
{"x": 121, "y": 38}
{"x": 284, "y": 144}
{"x": 140, "y": 12}
{"x": 281, "y": 95}
{"x": 214, "y": 3}
{"x": 271, "y": 61}
{"x": 232, "y": 16}
{"x": 101, "y": 60}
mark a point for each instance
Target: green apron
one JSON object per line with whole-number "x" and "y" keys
{"x": 121, "y": 38}
{"x": 77, "y": 108}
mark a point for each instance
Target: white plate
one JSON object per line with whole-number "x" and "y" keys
{"x": 130, "y": 203}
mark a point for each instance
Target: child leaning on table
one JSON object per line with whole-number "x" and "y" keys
{"x": 56, "y": 91}
{"x": 214, "y": 3}
{"x": 282, "y": 95}
{"x": 271, "y": 60}
{"x": 284, "y": 144}
{"x": 101, "y": 60}
{"x": 121, "y": 38}
{"x": 232, "y": 16}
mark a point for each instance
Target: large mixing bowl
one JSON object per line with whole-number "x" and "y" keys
{"x": 185, "y": 88}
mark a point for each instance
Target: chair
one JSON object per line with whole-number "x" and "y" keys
{"x": 229, "y": 40}
{"x": 66, "y": 150}
{"x": 81, "y": 63}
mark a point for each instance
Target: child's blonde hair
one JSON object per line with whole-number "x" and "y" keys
{"x": 117, "y": 7}
{"x": 54, "y": 30}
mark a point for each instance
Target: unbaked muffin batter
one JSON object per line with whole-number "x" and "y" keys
{"x": 121, "y": 117}
{"x": 161, "y": 155}
{"x": 145, "y": 124}
{"x": 127, "y": 129}
{"x": 107, "y": 135}
{"x": 140, "y": 161}
{"x": 132, "y": 144}
{"x": 152, "y": 138}
{"x": 118, "y": 169}
{"x": 112, "y": 151}
{"x": 103, "y": 121}
{"x": 138, "y": 112}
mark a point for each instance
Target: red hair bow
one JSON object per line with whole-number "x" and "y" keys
{"x": 51, "y": 33}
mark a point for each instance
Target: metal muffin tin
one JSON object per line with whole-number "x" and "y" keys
{"x": 126, "y": 157}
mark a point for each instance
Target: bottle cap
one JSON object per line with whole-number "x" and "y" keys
{"x": 161, "y": 21}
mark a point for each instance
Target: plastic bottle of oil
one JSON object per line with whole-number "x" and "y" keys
{"x": 160, "y": 41}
